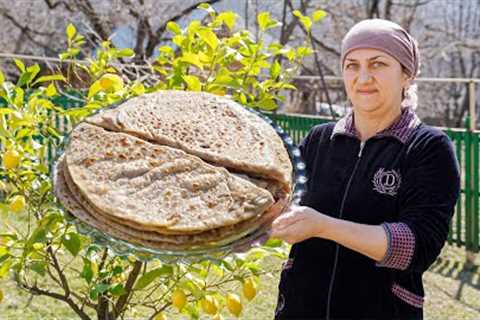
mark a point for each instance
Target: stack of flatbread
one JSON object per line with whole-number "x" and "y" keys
{"x": 174, "y": 170}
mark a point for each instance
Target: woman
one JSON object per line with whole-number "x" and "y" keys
{"x": 380, "y": 196}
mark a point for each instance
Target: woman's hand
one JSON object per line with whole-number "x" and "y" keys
{"x": 299, "y": 223}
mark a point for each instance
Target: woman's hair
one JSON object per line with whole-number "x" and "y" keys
{"x": 409, "y": 97}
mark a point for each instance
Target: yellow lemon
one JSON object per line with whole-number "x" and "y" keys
{"x": 209, "y": 305}
{"x": 179, "y": 299}
{"x": 1, "y": 296}
{"x": 233, "y": 304}
{"x": 160, "y": 316}
{"x": 11, "y": 159}
{"x": 17, "y": 203}
{"x": 111, "y": 81}
{"x": 249, "y": 289}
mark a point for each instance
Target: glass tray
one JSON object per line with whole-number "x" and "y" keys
{"x": 256, "y": 236}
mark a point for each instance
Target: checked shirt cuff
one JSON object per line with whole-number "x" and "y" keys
{"x": 400, "y": 246}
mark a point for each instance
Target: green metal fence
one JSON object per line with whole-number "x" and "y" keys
{"x": 464, "y": 229}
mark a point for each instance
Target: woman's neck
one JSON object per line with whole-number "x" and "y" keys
{"x": 368, "y": 124}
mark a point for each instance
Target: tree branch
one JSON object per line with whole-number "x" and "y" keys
{"x": 37, "y": 291}
{"x": 55, "y": 5}
{"x": 132, "y": 277}
{"x": 87, "y": 9}
{"x": 60, "y": 273}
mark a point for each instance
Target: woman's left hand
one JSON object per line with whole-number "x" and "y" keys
{"x": 299, "y": 223}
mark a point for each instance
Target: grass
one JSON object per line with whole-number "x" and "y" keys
{"x": 452, "y": 292}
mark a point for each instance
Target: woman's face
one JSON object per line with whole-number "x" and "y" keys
{"x": 373, "y": 80}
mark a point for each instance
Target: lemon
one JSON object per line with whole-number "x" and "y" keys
{"x": 209, "y": 305}
{"x": 233, "y": 304}
{"x": 249, "y": 289}
{"x": 1, "y": 296}
{"x": 111, "y": 81}
{"x": 179, "y": 299}
{"x": 11, "y": 159}
{"x": 160, "y": 316}
{"x": 17, "y": 203}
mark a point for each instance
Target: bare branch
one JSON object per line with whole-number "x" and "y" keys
{"x": 87, "y": 9}
{"x": 37, "y": 291}
{"x": 52, "y": 5}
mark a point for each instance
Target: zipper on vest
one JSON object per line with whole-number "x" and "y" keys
{"x": 362, "y": 144}
{"x": 337, "y": 246}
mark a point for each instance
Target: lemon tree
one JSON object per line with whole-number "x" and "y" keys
{"x": 42, "y": 251}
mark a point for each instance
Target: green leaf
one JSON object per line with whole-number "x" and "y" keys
{"x": 127, "y": 53}
{"x": 319, "y": 15}
{"x": 174, "y": 28}
{"x": 209, "y": 37}
{"x": 5, "y": 267}
{"x": 150, "y": 276}
{"x": 263, "y": 19}
{"x": 117, "y": 290}
{"x": 178, "y": 39}
{"x": 228, "y": 18}
{"x": 39, "y": 267}
{"x": 297, "y": 14}
{"x": 6, "y": 111}
{"x": 87, "y": 272}
{"x": 307, "y": 23}
{"x": 273, "y": 243}
{"x": 267, "y": 104}
{"x": 304, "y": 51}
{"x": 51, "y": 90}
{"x": 34, "y": 70}
{"x": 275, "y": 70}
{"x": 72, "y": 242}
{"x": 94, "y": 89}
{"x": 192, "y": 58}
{"x": 19, "y": 97}
{"x": 19, "y": 65}
{"x": 138, "y": 89}
{"x": 193, "y": 83}
{"x": 53, "y": 77}
{"x": 24, "y": 79}
{"x": 98, "y": 289}
{"x": 207, "y": 7}
{"x": 71, "y": 31}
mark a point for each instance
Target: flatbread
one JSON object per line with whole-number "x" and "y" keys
{"x": 224, "y": 233}
{"x": 213, "y": 128}
{"x": 154, "y": 185}
{"x": 80, "y": 209}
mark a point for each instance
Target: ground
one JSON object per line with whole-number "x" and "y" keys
{"x": 452, "y": 292}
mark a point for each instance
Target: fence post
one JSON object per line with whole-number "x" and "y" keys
{"x": 472, "y": 247}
